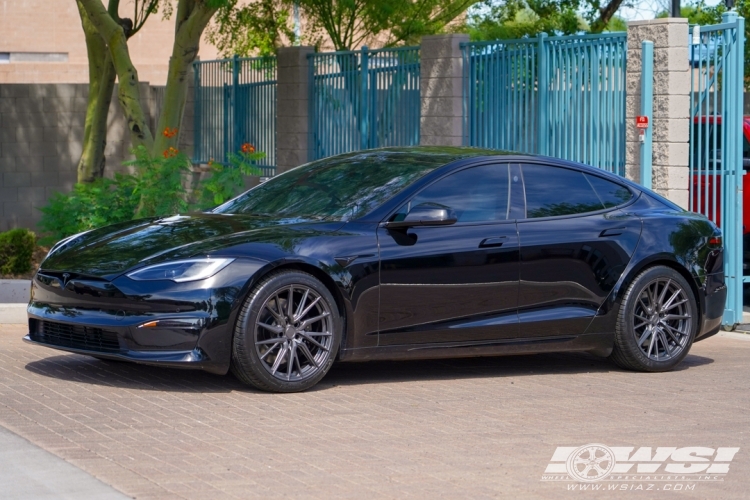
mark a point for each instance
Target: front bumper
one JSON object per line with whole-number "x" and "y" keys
{"x": 93, "y": 334}
{"x": 187, "y": 325}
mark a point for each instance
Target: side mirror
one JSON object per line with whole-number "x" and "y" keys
{"x": 426, "y": 214}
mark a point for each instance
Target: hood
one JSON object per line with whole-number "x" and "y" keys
{"x": 109, "y": 251}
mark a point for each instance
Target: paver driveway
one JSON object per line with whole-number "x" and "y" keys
{"x": 472, "y": 428}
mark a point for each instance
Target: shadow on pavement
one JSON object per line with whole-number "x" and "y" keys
{"x": 83, "y": 369}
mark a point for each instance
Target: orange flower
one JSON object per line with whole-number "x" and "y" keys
{"x": 170, "y": 132}
{"x": 210, "y": 162}
{"x": 248, "y": 148}
{"x": 170, "y": 152}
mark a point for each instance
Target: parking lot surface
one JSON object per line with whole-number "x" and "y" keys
{"x": 471, "y": 428}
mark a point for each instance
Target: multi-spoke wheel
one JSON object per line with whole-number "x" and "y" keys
{"x": 287, "y": 334}
{"x": 657, "y": 321}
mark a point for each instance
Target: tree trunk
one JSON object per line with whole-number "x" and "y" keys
{"x": 189, "y": 27}
{"x": 101, "y": 86}
{"x": 129, "y": 94}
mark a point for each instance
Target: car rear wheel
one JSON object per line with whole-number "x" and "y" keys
{"x": 657, "y": 322}
{"x": 287, "y": 334}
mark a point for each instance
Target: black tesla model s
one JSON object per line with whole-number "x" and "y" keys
{"x": 421, "y": 252}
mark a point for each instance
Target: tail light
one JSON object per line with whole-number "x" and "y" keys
{"x": 715, "y": 242}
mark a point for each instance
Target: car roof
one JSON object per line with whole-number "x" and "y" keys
{"x": 442, "y": 155}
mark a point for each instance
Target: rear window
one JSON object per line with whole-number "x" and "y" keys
{"x": 610, "y": 193}
{"x": 553, "y": 191}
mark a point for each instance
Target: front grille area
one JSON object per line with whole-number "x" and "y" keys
{"x": 75, "y": 336}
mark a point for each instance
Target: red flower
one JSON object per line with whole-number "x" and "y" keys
{"x": 170, "y": 152}
{"x": 170, "y": 132}
{"x": 248, "y": 148}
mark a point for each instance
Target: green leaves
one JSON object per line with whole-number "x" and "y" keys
{"x": 157, "y": 187}
{"x": 259, "y": 28}
{"x": 16, "y": 250}
{"x": 262, "y": 26}
{"x": 226, "y": 181}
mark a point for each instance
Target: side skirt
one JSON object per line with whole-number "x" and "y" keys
{"x": 597, "y": 343}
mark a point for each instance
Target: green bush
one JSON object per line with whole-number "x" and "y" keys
{"x": 225, "y": 180}
{"x": 156, "y": 189}
{"x": 16, "y": 249}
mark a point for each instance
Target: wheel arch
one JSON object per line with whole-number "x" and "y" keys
{"x": 306, "y": 267}
{"x": 660, "y": 260}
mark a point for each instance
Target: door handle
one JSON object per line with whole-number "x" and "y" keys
{"x": 615, "y": 231}
{"x": 493, "y": 242}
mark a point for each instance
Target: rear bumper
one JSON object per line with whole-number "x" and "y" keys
{"x": 713, "y": 300}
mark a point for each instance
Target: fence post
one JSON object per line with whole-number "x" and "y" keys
{"x": 235, "y": 109}
{"x": 364, "y": 117}
{"x": 441, "y": 90}
{"x": 647, "y": 105}
{"x": 731, "y": 156}
{"x": 292, "y": 107}
{"x": 197, "y": 123}
{"x": 542, "y": 89}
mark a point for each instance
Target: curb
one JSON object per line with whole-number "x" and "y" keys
{"x": 13, "y": 314}
{"x": 14, "y": 291}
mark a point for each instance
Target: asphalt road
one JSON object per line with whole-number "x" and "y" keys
{"x": 471, "y": 428}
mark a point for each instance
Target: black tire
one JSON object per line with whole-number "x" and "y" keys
{"x": 657, "y": 338}
{"x": 269, "y": 337}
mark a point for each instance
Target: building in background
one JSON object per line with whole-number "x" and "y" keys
{"x": 42, "y": 41}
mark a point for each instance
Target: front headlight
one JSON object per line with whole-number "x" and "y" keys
{"x": 181, "y": 270}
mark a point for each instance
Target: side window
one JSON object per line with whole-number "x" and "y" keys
{"x": 609, "y": 193}
{"x": 554, "y": 191}
{"x": 478, "y": 194}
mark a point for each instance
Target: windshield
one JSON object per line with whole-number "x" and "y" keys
{"x": 340, "y": 188}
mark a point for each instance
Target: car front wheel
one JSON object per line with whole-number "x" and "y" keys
{"x": 657, "y": 322}
{"x": 287, "y": 334}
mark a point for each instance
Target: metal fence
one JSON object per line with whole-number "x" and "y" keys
{"x": 716, "y": 164}
{"x": 363, "y": 99}
{"x": 557, "y": 96}
{"x": 235, "y": 103}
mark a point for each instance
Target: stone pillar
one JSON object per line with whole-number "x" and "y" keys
{"x": 671, "y": 116}
{"x": 441, "y": 87}
{"x": 292, "y": 96}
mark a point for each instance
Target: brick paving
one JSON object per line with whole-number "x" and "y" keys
{"x": 472, "y": 428}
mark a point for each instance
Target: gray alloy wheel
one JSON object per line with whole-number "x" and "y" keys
{"x": 287, "y": 334}
{"x": 657, "y": 323}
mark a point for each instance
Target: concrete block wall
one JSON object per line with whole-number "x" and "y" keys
{"x": 41, "y": 132}
{"x": 671, "y": 106}
{"x": 292, "y": 107}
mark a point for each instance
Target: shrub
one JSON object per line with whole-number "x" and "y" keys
{"x": 156, "y": 189}
{"x": 103, "y": 202}
{"x": 226, "y": 181}
{"x": 16, "y": 249}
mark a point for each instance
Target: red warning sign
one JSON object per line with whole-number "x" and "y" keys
{"x": 641, "y": 121}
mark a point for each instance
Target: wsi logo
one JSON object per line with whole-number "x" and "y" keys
{"x": 597, "y": 462}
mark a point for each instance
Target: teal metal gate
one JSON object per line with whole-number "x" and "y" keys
{"x": 717, "y": 55}
{"x": 363, "y": 99}
{"x": 235, "y": 103}
{"x": 557, "y": 96}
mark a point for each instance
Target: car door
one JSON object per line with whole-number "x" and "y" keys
{"x": 575, "y": 243}
{"x": 458, "y": 282}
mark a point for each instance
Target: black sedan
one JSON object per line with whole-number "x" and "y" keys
{"x": 392, "y": 254}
